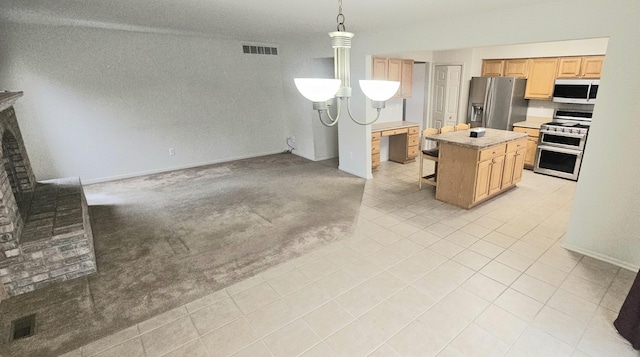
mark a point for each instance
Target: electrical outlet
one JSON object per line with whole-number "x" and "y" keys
{"x": 171, "y": 152}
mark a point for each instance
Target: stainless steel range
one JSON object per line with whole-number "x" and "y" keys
{"x": 561, "y": 144}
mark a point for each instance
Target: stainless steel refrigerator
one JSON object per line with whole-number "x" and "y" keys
{"x": 496, "y": 102}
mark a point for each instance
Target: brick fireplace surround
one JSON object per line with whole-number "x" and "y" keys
{"x": 45, "y": 232}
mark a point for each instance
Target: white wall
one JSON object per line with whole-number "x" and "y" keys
{"x": 103, "y": 104}
{"x": 415, "y": 105}
{"x": 325, "y": 139}
{"x": 302, "y": 59}
{"x": 604, "y": 221}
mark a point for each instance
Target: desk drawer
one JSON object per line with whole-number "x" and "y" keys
{"x": 375, "y": 136}
{"x": 413, "y": 139}
{"x": 492, "y": 152}
{"x": 412, "y": 151}
{"x": 414, "y": 130}
{"x": 517, "y": 145}
{"x": 375, "y": 160}
{"x": 394, "y": 132}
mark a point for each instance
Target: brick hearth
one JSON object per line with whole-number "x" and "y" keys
{"x": 45, "y": 232}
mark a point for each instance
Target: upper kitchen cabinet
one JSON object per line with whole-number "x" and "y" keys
{"x": 394, "y": 69}
{"x": 542, "y": 75}
{"x": 406, "y": 80}
{"x": 380, "y": 68}
{"x": 580, "y": 67}
{"x": 505, "y": 67}
{"x": 492, "y": 68}
{"x": 516, "y": 68}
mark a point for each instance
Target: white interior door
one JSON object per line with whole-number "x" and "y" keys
{"x": 453, "y": 95}
{"x": 446, "y": 95}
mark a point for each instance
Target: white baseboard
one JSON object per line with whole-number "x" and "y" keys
{"x": 604, "y": 258}
{"x": 174, "y": 168}
{"x": 354, "y": 173}
{"x": 304, "y": 156}
{"x": 321, "y": 158}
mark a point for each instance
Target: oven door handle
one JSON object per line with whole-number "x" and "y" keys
{"x": 569, "y": 135}
{"x": 560, "y": 150}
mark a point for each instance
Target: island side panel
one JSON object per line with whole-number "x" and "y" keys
{"x": 457, "y": 170}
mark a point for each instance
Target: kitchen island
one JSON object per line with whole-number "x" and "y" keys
{"x": 472, "y": 170}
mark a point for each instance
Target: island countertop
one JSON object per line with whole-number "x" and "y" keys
{"x": 492, "y": 137}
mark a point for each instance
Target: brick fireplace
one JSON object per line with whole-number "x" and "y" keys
{"x": 45, "y": 232}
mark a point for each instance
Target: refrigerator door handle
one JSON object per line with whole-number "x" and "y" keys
{"x": 488, "y": 104}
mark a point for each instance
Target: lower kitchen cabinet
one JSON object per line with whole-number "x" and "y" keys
{"x": 489, "y": 178}
{"x": 468, "y": 176}
{"x": 532, "y": 145}
{"x": 513, "y": 163}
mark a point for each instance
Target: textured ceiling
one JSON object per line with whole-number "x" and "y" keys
{"x": 249, "y": 20}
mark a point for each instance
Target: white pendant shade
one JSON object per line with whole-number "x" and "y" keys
{"x": 318, "y": 89}
{"x": 379, "y": 91}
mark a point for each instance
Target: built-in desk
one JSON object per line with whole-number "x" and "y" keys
{"x": 404, "y": 137}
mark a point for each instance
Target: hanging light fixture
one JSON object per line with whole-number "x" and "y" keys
{"x": 321, "y": 90}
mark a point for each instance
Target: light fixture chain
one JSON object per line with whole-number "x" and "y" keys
{"x": 340, "y": 17}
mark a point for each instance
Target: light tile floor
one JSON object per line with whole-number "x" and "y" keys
{"x": 417, "y": 278}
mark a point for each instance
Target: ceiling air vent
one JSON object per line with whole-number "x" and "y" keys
{"x": 259, "y": 50}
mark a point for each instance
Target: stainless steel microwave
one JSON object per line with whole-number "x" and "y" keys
{"x": 578, "y": 91}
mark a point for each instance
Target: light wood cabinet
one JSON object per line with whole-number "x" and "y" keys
{"x": 492, "y": 68}
{"x": 532, "y": 145}
{"x": 404, "y": 138}
{"x": 518, "y": 166}
{"x": 403, "y": 146}
{"x": 542, "y": 75}
{"x": 569, "y": 67}
{"x": 406, "y": 79}
{"x": 580, "y": 67}
{"x": 489, "y": 171}
{"x": 379, "y": 68}
{"x": 483, "y": 176}
{"x": 375, "y": 151}
{"x": 495, "y": 179}
{"x": 592, "y": 66}
{"x": 394, "y": 69}
{"x": 513, "y": 163}
{"x": 468, "y": 176}
{"x": 516, "y": 68}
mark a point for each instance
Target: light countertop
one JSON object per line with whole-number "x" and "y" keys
{"x": 532, "y": 122}
{"x": 492, "y": 137}
{"x": 392, "y": 125}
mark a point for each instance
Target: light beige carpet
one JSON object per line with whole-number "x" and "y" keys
{"x": 167, "y": 239}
